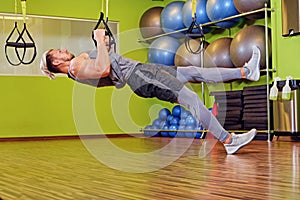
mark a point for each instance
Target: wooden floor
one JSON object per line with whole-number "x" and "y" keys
{"x": 75, "y": 169}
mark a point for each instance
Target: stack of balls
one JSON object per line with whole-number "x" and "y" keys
{"x": 224, "y": 52}
{"x": 176, "y": 123}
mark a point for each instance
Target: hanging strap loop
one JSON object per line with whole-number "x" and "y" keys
{"x": 20, "y": 42}
{"x": 194, "y": 31}
{"x": 13, "y": 44}
{"x": 108, "y": 32}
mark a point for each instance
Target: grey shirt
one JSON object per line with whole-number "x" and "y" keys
{"x": 121, "y": 68}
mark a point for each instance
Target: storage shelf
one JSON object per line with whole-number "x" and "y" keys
{"x": 208, "y": 23}
{"x": 267, "y": 69}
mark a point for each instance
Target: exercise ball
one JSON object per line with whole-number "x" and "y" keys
{"x": 218, "y": 53}
{"x": 169, "y": 118}
{"x": 201, "y": 15}
{"x": 146, "y": 130}
{"x": 198, "y": 135}
{"x": 173, "y": 130}
{"x": 163, "y": 114}
{"x": 162, "y": 50}
{"x": 199, "y": 131}
{"x": 249, "y": 5}
{"x": 180, "y": 133}
{"x": 176, "y": 111}
{"x": 243, "y": 42}
{"x": 157, "y": 123}
{"x": 190, "y": 121}
{"x": 171, "y": 18}
{"x": 174, "y": 121}
{"x": 182, "y": 121}
{"x": 184, "y": 57}
{"x": 164, "y": 132}
{"x": 150, "y": 22}
{"x": 183, "y": 115}
{"x": 220, "y": 9}
{"x": 149, "y": 131}
{"x": 191, "y": 133}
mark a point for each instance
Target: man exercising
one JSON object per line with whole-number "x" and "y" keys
{"x": 101, "y": 68}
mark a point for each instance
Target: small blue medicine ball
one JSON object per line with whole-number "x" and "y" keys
{"x": 164, "y": 113}
{"x": 176, "y": 111}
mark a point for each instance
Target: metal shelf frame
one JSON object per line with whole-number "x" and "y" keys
{"x": 265, "y": 10}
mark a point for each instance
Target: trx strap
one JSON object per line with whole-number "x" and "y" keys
{"x": 194, "y": 8}
{"x": 20, "y": 42}
{"x": 194, "y": 31}
{"x": 108, "y": 32}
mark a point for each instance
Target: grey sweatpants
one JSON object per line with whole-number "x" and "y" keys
{"x": 167, "y": 83}
{"x": 191, "y": 100}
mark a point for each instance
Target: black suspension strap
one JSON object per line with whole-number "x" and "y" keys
{"x": 108, "y": 32}
{"x": 194, "y": 31}
{"x": 20, "y": 45}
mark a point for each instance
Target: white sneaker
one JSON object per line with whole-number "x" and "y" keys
{"x": 253, "y": 65}
{"x": 239, "y": 140}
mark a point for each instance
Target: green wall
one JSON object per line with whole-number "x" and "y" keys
{"x": 285, "y": 49}
{"x": 35, "y": 106}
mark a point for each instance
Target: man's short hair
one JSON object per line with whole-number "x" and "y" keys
{"x": 45, "y": 62}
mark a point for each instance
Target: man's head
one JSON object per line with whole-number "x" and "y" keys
{"x": 55, "y": 61}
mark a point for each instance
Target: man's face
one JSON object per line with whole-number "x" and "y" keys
{"x": 63, "y": 55}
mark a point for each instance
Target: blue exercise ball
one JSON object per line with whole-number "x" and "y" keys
{"x": 163, "y": 50}
{"x": 173, "y": 130}
{"x": 175, "y": 121}
{"x": 157, "y": 123}
{"x": 199, "y": 131}
{"x": 184, "y": 114}
{"x": 190, "y": 121}
{"x": 147, "y": 131}
{"x": 191, "y": 133}
{"x": 180, "y": 132}
{"x": 165, "y": 133}
{"x": 169, "y": 118}
{"x": 171, "y": 18}
{"x": 164, "y": 113}
{"x": 176, "y": 111}
{"x": 163, "y": 123}
{"x": 220, "y": 9}
{"x": 182, "y": 121}
{"x": 201, "y": 15}
{"x": 198, "y": 135}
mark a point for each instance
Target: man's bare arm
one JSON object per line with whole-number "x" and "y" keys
{"x": 83, "y": 67}
{"x": 102, "y": 62}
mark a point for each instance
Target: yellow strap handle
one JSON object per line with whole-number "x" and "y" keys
{"x": 102, "y": 5}
{"x": 16, "y": 7}
{"x": 106, "y": 8}
{"x": 23, "y": 3}
{"x": 194, "y": 5}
